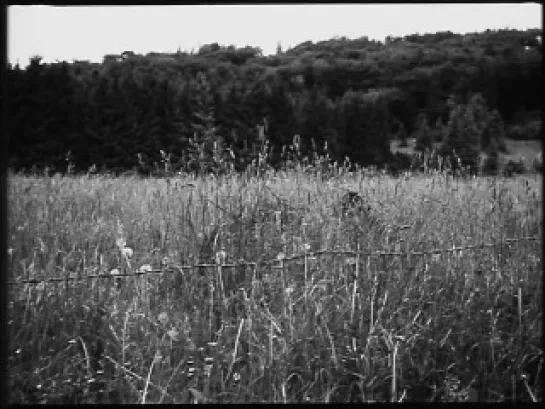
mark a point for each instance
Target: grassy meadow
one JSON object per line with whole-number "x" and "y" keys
{"x": 524, "y": 151}
{"x": 259, "y": 289}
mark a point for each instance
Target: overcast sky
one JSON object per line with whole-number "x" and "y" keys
{"x": 88, "y": 33}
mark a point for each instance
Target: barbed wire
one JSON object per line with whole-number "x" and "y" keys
{"x": 171, "y": 268}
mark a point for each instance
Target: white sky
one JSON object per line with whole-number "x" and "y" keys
{"x": 88, "y": 33}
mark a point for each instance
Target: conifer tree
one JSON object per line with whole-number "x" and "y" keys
{"x": 479, "y": 109}
{"x": 206, "y": 148}
{"x": 424, "y": 135}
{"x": 463, "y": 138}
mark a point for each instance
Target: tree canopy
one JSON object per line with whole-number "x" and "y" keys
{"x": 350, "y": 97}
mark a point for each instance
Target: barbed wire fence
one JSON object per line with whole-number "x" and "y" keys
{"x": 283, "y": 262}
{"x": 270, "y": 285}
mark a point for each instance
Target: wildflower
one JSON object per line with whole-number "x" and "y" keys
{"x": 457, "y": 252}
{"x": 208, "y": 364}
{"x": 197, "y": 396}
{"x": 220, "y": 257}
{"x": 190, "y": 371}
{"x": 158, "y": 357}
{"x": 146, "y": 268}
{"x": 127, "y": 252}
{"x": 495, "y": 340}
{"x": 121, "y": 243}
{"x": 191, "y": 345}
{"x": 43, "y": 249}
{"x": 173, "y": 334}
{"x": 350, "y": 261}
{"x": 163, "y": 318}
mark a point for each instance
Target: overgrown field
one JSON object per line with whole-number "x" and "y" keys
{"x": 260, "y": 289}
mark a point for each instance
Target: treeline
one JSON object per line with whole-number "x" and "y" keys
{"x": 224, "y": 105}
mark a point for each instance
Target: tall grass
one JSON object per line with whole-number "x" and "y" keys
{"x": 329, "y": 326}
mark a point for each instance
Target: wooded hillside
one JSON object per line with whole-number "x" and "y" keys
{"x": 344, "y": 98}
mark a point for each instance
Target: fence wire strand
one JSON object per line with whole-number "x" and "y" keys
{"x": 172, "y": 268}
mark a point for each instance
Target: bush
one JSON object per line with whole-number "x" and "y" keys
{"x": 514, "y": 168}
{"x": 538, "y": 163}
{"x": 490, "y": 163}
{"x": 402, "y": 136}
{"x": 531, "y": 130}
{"x": 516, "y": 132}
{"x": 502, "y": 147}
{"x": 398, "y": 162}
{"x": 534, "y": 128}
{"x": 423, "y": 134}
{"x": 494, "y": 130}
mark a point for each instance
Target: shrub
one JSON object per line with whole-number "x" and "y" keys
{"x": 514, "y": 168}
{"x": 398, "y": 162}
{"x": 494, "y": 130}
{"x": 423, "y": 134}
{"x": 530, "y": 130}
{"x": 516, "y": 132}
{"x": 538, "y": 163}
{"x": 402, "y": 136}
{"x": 490, "y": 164}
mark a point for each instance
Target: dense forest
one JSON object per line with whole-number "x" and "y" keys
{"x": 225, "y": 107}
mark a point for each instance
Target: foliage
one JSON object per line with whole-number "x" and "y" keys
{"x": 424, "y": 137}
{"x": 462, "y": 140}
{"x": 490, "y": 164}
{"x": 353, "y": 95}
{"x": 538, "y": 163}
{"x": 206, "y": 151}
{"x": 512, "y": 168}
{"x": 401, "y": 134}
{"x": 471, "y": 129}
{"x": 528, "y": 131}
{"x": 494, "y": 131}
